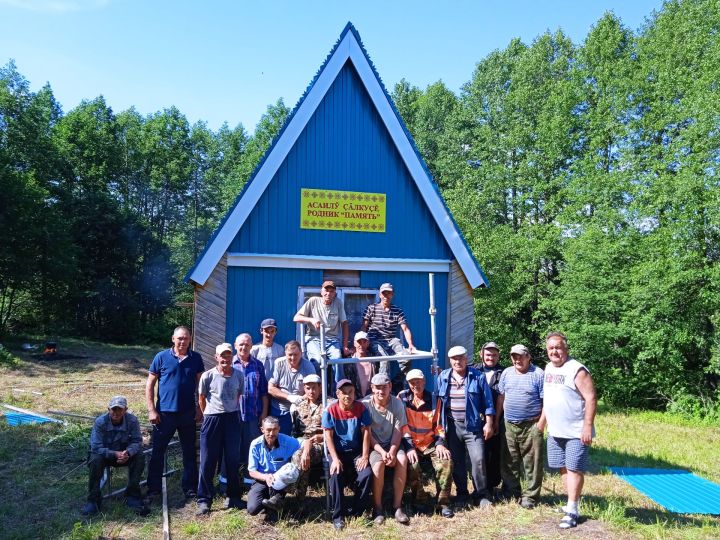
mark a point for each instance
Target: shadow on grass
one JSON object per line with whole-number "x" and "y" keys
{"x": 618, "y": 508}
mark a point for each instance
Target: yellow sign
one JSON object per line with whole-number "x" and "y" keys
{"x": 342, "y": 210}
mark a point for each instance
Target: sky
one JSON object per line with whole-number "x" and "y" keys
{"x": 226, "y": 61}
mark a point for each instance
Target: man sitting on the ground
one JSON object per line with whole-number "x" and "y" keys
{"x": 388, "y": 416}
{"x": 426, "y": 436}
{"x": 115, "y": 440}
{"x": 268, "y": 454}
{"x": 307, "y": 428}
{"x": 347, "y": 435}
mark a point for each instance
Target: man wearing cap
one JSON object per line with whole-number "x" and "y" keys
{"x": 361, "y": 373}
{"x": 389, "y": 419}
{"x": 467, "y": 414}
{"x": 115, "y": 440}
{"x": 521, "y": 399}
{"x": 307, "y": 429}
{"x": 254, "y": 402}
{"x": 569, "y": 408}
{"x": 381, "y": 322}
{"x": 286, "y": 385}
{"x": 177, "y": 372}
{"x": 267, "y": 351}
{"x": 268, "y": 454}
{"x": 489, "y": 357}
{"x": 219, "y": 392}
{"x": 347, "y": 435}
{"x": 327, "y": 311}
{"x": 426, "y": 440}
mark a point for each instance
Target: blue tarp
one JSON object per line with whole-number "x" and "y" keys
{"x": 676, "y": 490}
{"x": 17, "y": 418}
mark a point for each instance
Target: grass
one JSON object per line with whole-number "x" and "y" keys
{"x": 43, "y": 494}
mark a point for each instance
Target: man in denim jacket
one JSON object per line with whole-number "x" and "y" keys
{"x": 467, "y": 414}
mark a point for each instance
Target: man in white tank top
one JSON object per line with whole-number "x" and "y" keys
{"x": 569, "y": 411}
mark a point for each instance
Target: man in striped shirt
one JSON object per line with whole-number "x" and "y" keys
{"x": 467, "y": 414}
{"x": 521, "y": 398}
{"x": 381, "y": 322}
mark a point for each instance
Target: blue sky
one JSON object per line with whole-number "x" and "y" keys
{"x": 225, "y": 61}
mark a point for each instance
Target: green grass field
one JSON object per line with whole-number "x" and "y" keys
{"x": 43, "y": 481}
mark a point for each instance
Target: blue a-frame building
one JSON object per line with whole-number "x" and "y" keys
{"x": 344, "y": 136}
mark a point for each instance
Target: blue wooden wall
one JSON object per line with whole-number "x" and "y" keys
{"x": 258, "y": 293}
{"x": 345, "y": 146}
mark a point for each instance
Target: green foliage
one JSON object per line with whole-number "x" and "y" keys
{"x": 7, "y": 358}
{"x": 85, "y": 531}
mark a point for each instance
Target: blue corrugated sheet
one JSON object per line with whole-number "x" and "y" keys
{"x": 677, "y": 490}
{"x": 18, "y": 419}
{"x": 345, "y": 146}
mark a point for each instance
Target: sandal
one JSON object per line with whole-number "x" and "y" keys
{"x": 568, "y": 521}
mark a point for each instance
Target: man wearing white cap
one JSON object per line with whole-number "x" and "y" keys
{"x": 381, "y": 322}
{"x": 115, "y": 440}
{"x": 521, "y": 399}
{"x": 307, "y": 429}
{"x": 361, "y": 373}
{"x": 467, "y": 414}
{"x": 219, "y": 392}
{"x": 426, "y": 439}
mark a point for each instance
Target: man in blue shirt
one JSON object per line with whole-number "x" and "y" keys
{"x": 268, "y": 454}
{"x": 467, "y": 414}
{"x": 178, "y": 371}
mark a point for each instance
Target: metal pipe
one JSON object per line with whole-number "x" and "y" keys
{"x": 433, "y": 334}
{"x": 421, "y": 355}
{"x": 142, "y": 483}
{"x": 323, "y": 382}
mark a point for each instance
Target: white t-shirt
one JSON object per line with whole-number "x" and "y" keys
{"x": 564, "y": 405}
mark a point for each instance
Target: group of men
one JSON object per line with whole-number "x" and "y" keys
{"x": 262, "y": 414}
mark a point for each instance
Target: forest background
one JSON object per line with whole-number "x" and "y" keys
{"x": 584, "y": 177}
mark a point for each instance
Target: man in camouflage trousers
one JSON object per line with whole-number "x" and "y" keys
{"x": 424, "y": 439}
{"x": 307, "y": 428}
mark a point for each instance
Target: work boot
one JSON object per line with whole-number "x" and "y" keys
{"x": 136, "y": 504}
{"x": 90, "y": 509}
{"x": 273, "y": 503}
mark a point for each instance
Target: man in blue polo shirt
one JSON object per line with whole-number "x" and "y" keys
{"x": 178, "y": 371}
{"x": 268, "y": 454}
{"x": 521, "y": 397}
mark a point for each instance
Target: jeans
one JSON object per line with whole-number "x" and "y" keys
{"x": 96, "y": 466}
{"x": 219, "y": 435}
{"x": 184, "y": 424}
{"x": 462, "y": 443}
{"x": 333, "y": 349}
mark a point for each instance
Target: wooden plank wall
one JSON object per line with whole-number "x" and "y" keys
{"x": 210, "y": 313}
{"x": 461, "y": 319}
